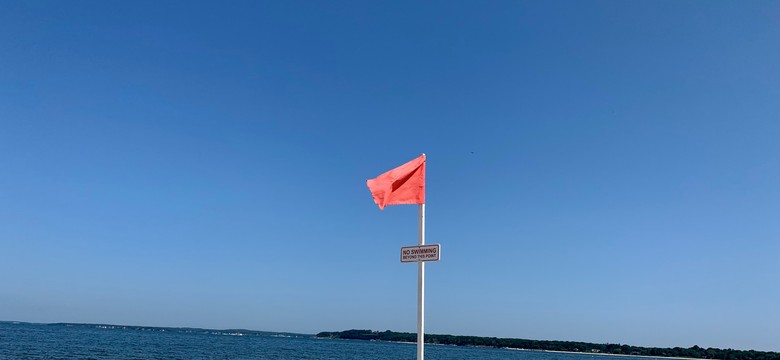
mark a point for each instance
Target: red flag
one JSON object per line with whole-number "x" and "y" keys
{"x": 402, "y": 185}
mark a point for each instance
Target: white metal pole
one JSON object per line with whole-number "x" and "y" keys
{"x": 420, "y": 283}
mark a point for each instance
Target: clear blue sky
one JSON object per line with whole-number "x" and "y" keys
{"x": 604, "y": 171}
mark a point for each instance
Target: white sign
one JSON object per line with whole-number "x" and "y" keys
{"x": 420, "y": 253}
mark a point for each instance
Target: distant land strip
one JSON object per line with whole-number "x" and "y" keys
{"x": 239, "y": 332}
{"x": 551, "y": 345}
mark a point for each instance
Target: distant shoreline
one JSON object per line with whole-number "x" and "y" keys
{"x": 609, "y": 354}
{"x": 472, "y": 341}
{"x": 550, "y": 351}
{"x": 554, "y": 346}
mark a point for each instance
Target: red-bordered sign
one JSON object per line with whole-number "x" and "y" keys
{"x": 420, "y": 253}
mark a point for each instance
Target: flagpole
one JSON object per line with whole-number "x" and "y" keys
{"x": 420, "y": 283}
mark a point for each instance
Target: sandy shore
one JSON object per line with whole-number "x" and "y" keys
{"x": 608, "y": 354}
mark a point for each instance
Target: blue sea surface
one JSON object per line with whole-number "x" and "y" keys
{"x": 89, "y": 341}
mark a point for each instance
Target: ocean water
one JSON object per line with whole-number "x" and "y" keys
{"x": 83, "y": 341}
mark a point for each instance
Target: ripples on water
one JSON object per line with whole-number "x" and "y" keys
{"x": 65, "y": 341}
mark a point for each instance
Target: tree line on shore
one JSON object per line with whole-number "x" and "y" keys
{"x": 551, "y": 345}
